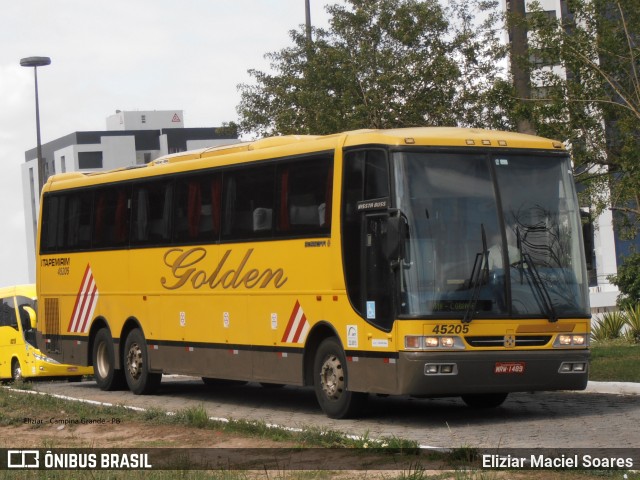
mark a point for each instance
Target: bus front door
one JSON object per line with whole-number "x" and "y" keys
{"x": 377, "y": 275}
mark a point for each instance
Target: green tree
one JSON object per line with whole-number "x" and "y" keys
{"x": 382, "y": 64}
{"x": 628, "y": 281}
{"x": 593, "y": 101}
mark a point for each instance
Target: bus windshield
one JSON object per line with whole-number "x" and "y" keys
{"x": 489, "y": 236}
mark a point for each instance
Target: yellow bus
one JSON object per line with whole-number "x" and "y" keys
{"x": 19, "y": 358}
{"x": 423, "y": 261}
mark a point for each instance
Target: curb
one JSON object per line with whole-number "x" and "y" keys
{"x": 618, "y": 388}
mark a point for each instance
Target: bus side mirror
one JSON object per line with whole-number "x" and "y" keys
{"x": 396, "y": 236}
{"x": 32, "y": 316}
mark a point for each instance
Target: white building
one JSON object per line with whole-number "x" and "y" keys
{"x": 145, "y": 120}
{"x": 131, "y": 138}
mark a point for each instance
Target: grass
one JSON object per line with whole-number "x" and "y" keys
{"x": 615, "y": 361}
{"x": 16, "y": 406}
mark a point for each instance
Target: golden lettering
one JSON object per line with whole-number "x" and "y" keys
{"x": 199, "y": 279}
{"x": 250, "y": 277}
{"x": 269, "y": 275}
{"x": 190, "y": 266}
{"x": 179, "y": 265}
{"x": 212, "y": 280}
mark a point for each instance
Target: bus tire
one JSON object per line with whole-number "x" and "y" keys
{"x": 136, "y": 365}
{"x": 485, "y": 400}
{"x": 330, "y": 382}
{"x": 104, "y": 363}
{"x": 16, "y": 370}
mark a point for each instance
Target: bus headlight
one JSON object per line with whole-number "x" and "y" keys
{"x": 447, "y": 342}
{"x": 44, "y": 358}
{"x": 571, "y": 340}
{"x": 433, "y": 342}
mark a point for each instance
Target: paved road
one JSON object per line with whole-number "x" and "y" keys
{"x": 552, "y": 420}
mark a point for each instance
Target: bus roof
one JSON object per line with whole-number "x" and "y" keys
{"x": 28, "y": 290}
{"x": 291, "y": 145}
{"x": 451, "y": 137}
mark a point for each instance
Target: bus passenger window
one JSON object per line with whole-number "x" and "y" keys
{"x": 77, "y": 221}
{"x": 197, "y": 209}
{"x": 52, "y": 208}
{"x": 249, "y": 202}
{"x": 151, "y": 213}
{"x": 111, "y": 217}
{"x": 305, "y": 189}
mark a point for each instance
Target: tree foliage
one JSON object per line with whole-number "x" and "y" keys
{"x": 593, "y": 101}
{"x": 383, "y": 64}
{"x": 628, "y": 281}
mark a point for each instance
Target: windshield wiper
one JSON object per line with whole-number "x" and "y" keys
{"x": 479, "y": 274}
{"x": 536, "y": 281}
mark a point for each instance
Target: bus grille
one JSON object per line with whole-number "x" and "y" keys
{"x": 499, "y": 341}
{"x": 52, "y": 324}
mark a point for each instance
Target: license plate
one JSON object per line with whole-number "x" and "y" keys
{"x": 509, "y": 367}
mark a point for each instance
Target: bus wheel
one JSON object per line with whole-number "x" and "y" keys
{"x": 330, "y": 380}
{"x": 485, "y": 400}
{"x": 16, "y": 371}
{"x": 140, "y": 380}
{"x": 104, "y": 363}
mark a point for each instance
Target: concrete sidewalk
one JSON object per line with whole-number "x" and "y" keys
{"x": 620, "y": 388}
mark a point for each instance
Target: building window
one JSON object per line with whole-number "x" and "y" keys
{"x": 540, "y": 57}
{"x": 541, "y": 93}
{"x": 143, "y": 118}
{"x": 63, "y": 164}
{"x": 88, "y": 160}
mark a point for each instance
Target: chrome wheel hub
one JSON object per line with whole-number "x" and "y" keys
{"x": 134, "y": 360}
{"x": 332, "y": 377}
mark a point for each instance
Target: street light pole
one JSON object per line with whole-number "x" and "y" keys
{"x": 307, "y": 18}
{"x": 36, "y": 62}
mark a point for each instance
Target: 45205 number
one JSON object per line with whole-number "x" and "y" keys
{"x": 450, "y": 329}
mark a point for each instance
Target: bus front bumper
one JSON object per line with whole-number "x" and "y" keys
{"x": 460, "y": 373}
{"x": 42, "y": 368}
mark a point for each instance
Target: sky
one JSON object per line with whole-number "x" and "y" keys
{"x": 109, "y": 55}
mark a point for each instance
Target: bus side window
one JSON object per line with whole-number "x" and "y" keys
{"x": 197, "y": 208}
{"x": 305, "y": 189}
{"x": 249, "y": 196}
{"x": 111, "y": 217}
{"x": 51, "y": 215}
{"x": 77, "y": 221}
{"x": 8, "y": 316}
{"x": 151, "y": 224}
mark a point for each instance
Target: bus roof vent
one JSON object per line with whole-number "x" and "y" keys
{"x": 280, "y": 141}
{"x": 225, "y": 150}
